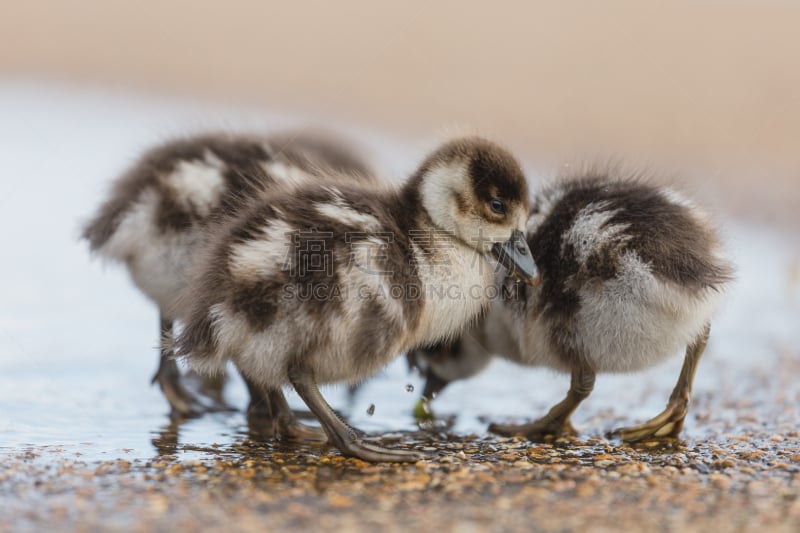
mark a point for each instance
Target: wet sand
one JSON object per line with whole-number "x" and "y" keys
{"x": 742, "y": 480}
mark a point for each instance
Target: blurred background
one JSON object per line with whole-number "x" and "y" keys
{"x": 707, "y": 89}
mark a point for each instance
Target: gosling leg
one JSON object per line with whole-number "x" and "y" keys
{"x": 556, "y": 422}
{"x": 433, "y": 385}
{"x": 669, "y": 423}
{"x": 269, "y": 408}
{"x": 340, "y": 434}
{"x": 184, "y": 403}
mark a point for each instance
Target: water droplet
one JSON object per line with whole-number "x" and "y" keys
{"x": 371, "y": 409}
{"x": 409, "y": 388}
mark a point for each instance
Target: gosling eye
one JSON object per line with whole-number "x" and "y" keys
{"x": 497, "y": 206}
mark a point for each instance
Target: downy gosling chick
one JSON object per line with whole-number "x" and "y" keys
{"x": 631, "y": 274}
{"x": 328, "y": 284}
{"x": 158, "y": 214}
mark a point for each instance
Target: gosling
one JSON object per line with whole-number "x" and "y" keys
{"x": 328, "y": 284}
{"x": 160, "y": 211}
{"x": 631, "y": 274}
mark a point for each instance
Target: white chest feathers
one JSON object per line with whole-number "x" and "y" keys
{"x": 457, "y": 286}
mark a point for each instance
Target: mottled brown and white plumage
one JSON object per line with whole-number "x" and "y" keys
{"x": 631, "y": 274}
{"x": 158, "y": 214}
{"x": 328, "y": 284}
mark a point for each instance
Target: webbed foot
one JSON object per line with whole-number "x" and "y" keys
{"x": 668, "y": 424}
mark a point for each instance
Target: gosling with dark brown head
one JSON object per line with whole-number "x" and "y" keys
{"x": 631, "y": 274}
{"x": 328, "y": 284}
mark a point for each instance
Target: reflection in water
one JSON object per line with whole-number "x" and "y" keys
{"x": 256, "y": 436}
{"x": 166, "y": 439}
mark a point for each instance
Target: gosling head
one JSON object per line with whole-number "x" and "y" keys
{"x": 475, "y": 190}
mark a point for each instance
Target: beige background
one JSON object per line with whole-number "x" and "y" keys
{"x": 709, "y": 89}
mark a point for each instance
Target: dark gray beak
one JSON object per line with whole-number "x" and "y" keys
{"x": 515, "y": 255}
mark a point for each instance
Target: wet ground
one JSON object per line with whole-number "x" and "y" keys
{"x": 86, "y": 444}
{"x": 732, "y": 482}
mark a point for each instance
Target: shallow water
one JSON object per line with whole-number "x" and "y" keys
{"x": 77, "y": 341}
